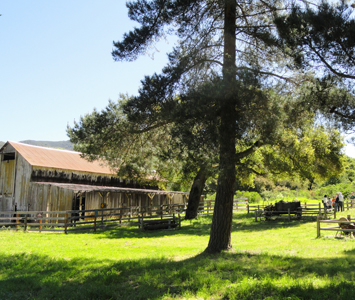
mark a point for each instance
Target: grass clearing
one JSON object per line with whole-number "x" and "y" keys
{"x": 270, "y": 260}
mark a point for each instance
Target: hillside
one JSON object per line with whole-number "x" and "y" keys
{"x": 60, "y": 145}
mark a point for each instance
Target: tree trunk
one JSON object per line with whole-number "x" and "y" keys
{"x": 311, "y": 182}
{"x": 195, "y": 194}
{"x": 220, "y": 237}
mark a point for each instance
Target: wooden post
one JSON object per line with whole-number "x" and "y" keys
{"x": 161, "y": 212}
{"x": 102, "y": 216}
{"x": 318, "y": 226}
{"x": 319, "y": 208}
{"x": 289, "y": 215}
{"x": 65, "y": 223}
{"x": 256, "y": 217}
{"x": 40, "y": 226}
{"x": 335, "y": 213}
{"x": 17, "y": 221}
{"x": 305, "y": 205}
{"x": 248, "y": 207}
{"x": 25, "y": 223}
{"x": 141, "y": 225}
{"x": 96, "y": 213}
{"x": 179, "y": 222}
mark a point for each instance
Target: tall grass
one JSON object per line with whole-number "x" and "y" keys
{"x": 270, "y": 260}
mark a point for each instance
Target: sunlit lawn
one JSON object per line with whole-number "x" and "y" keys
{"x": 270, "y": 260}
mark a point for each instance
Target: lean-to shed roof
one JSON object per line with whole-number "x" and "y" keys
{"x": 57, "y": 159}
{"x": 92, "y": 188}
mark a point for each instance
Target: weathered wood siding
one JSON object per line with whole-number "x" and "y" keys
{"x": 93, "y": 200}
{"x": 7, "y": 180}
{"x": 7, "y": 184}
{"x": 22, "y": 184}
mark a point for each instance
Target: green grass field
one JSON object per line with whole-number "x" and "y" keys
{"x": 270, "y": 260}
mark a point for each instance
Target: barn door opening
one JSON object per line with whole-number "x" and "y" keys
{"x": 78, "y": 204}
{"x": 82, "y": 206}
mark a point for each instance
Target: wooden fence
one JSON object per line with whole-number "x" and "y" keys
{"x": 75, "y": 220}
{"x": 239, "y": 204}
{"x": 334, "y": 228}
{"x": 307, "y": 208}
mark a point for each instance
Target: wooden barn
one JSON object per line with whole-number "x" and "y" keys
{"x": 36, "y": 178}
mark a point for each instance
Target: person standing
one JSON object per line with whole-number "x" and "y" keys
{"x": 325, "y": 201}
{"x": 341, "y": 201}
{"x": 352, "y": 197}
{"x": 337, "y": 202}
{"x": 333, "y": 203}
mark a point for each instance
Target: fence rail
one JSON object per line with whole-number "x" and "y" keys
{"x": 92, "y": 219}
{"x": 335, "y": 228}
{"x": 307, "y": 208}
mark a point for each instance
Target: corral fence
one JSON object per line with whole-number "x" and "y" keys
{"x": 307, "y": 208}
{"x": 207, "y": 206}
{"x": 77, "y": 220}
{"x": 345, "y": 225}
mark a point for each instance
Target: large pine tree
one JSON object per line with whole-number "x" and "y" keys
{"x": 220, "y": 42}
{"x": 221, "y": 91}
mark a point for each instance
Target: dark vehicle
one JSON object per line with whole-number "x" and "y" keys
{"x": 283, "y": 208}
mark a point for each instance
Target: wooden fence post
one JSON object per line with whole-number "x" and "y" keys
{"x": 65, "y": 223}
{"x": 96, "y": 213}
{"x": 248, "y": 207}
{"x": 25, "y": 223}
{"x": 289, "y": 215}
{"x": 17, "y": 221}
{"x": 256, "y": 217}
{"x": 318, "y": 226}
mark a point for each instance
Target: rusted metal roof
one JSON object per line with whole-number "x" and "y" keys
{"x": 90, "y": 188}
{"x": 58, "y": 159}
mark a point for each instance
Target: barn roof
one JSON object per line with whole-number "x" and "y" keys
{"x": 58, "y": 159}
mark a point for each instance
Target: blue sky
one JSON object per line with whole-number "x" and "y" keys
{"x": 56, "y": 64}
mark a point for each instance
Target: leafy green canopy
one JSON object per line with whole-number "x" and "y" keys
{"x": 322, "y": 40}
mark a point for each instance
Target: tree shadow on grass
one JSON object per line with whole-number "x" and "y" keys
{"x": 224, "y": 276}
{"x": 201, "y": 227}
